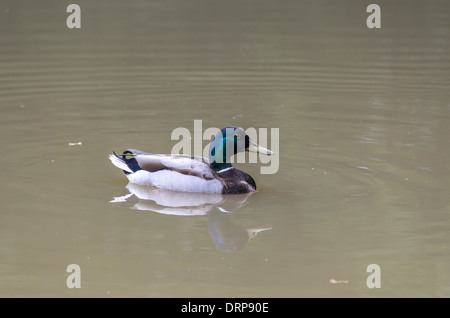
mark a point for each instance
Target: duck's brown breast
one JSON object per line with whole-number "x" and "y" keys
{"x": 237, "y": 181}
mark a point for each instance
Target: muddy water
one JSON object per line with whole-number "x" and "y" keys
{"x": 363, "y": 178}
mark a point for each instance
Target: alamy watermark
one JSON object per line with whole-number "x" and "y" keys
{"x": 374, "y": 279}
{"x": 192, "y": 144}
{"x": 374, "y": 19}
{"x": 73, "y": 21}
{"x": 74, "y": 279}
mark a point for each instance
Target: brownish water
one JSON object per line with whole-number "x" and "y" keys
{"x": 364, "y": 121}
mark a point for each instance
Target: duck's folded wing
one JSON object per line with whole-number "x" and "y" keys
{"x": 188, "y": 165}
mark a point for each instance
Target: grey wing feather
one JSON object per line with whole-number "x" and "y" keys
{"x": 185, "y": 164}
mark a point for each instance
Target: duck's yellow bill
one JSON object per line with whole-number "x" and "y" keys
{"x": 254, "y": 147}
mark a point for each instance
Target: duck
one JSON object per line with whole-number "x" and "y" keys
{"x": 186, "y": 173}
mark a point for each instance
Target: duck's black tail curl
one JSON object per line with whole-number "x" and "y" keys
{"x": 125, "y": 161}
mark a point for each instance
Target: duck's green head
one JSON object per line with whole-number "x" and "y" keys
{"x": 228, "y": 142}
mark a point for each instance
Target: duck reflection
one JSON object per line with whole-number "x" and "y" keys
{"x": 226, "y": 235}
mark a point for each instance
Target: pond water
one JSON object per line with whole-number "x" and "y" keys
{"x": 364, "y": 124}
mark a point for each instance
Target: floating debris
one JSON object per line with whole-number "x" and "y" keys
{"x": 333, "y": 281}
{"x": 75, "y": 143}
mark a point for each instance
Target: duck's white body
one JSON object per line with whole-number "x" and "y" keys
{"x": 175, "y": 181}
{"x": 170, "y": 172}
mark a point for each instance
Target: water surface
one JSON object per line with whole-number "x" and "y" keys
{"x": 363, "y": 115}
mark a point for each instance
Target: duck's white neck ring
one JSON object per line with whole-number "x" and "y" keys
{"x": 226, "y": 169}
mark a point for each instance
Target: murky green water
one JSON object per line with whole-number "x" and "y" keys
{"x": 364, "y": 121}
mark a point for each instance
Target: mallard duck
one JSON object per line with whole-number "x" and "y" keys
{"x": 190, "y": 173}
